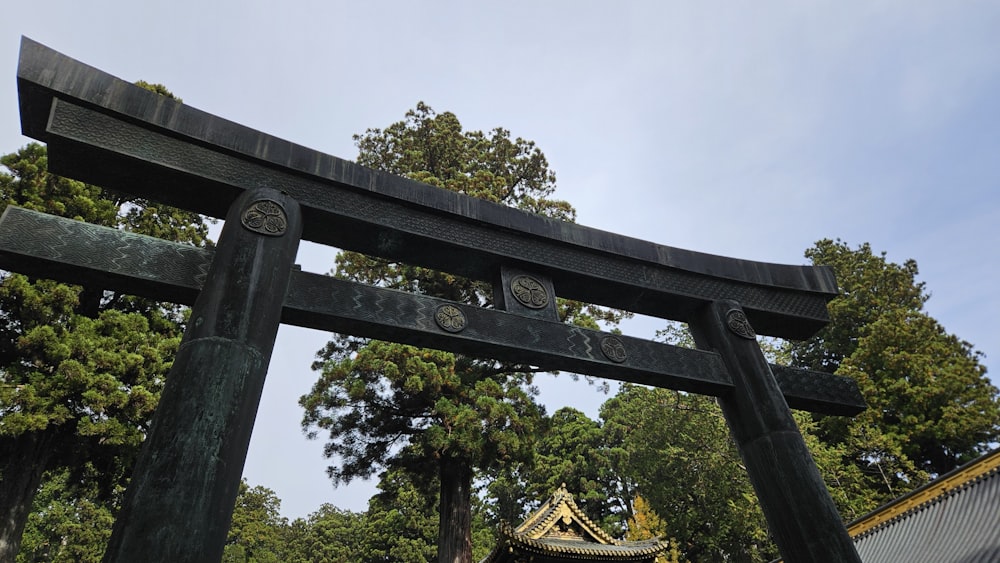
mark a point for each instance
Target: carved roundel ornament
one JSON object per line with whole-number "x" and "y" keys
{"x": 614, "y": 349}
{"x": 738, "y": 323}
{"x": 265, "y": 217}
{"x": 450, "y": 318}
{"x": 529, "y": 292}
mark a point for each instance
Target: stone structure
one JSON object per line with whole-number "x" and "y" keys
{"x": 105, "y": 131}
{"x": 559, "y": 532}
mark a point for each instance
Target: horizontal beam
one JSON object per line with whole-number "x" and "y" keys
{"x": 108, "y": 132}
{"x": 49, "y": 246}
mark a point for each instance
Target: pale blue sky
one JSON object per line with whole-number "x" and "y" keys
{"x": 746, "y": 129}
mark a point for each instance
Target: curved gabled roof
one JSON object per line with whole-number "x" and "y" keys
{"x": 561, "y": 506}
{"x": 644, "y": 550}
{"x": 560, "y": 530}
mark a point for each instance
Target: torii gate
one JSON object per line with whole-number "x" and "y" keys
{"x": 103, "y": 130}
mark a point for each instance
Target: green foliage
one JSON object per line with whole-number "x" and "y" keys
{"x": 669, "y": 448}
{"x": 388, "y": 406}
{"x": 931, "y": 408}
{"x": 158, "y": 88}
{"x": 376, "y": 398}
{"x": 257, "y": 531}
{"x": 870, "y": 286}
{"x": 329, "y": 535}
{"x": 483, "y": 533}
{"x": 570, "y": 452}
{"x": 36, "y": 314}
{"x": 103, "y": 375}
{"x": 676, "y": 447}
{"x": 434, "y": 149}
{"x": 81, "y": 368}
{"x": 67, "y": 523}
{"x": 848, "y": 483}
{"x": 573, "y": 450}
{"x": 28, "y": 184}
{"x": 930, "y": 405}
{"x": 401, "y": 524}
{"x": 927, "y": 386}
{"x": 386, "y": 396}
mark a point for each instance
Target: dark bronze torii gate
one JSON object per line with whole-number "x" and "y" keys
{"x": 102, "y": 130}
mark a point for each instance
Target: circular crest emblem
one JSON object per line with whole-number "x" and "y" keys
{"x": 738, "y": 323}
{"x": 450, "y": 318}
{"x": 614, "y": 349}
{"x": 529, "y": 292}
{"x": 265, "y": 217}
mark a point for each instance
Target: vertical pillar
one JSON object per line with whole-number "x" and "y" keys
{"x": 180, "y": 500}
{"x": 800, "y": 514}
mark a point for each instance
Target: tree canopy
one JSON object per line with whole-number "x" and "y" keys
{"x": 677, "y": 450}
{"x": 257, "y": 532}
{"x": 931, "y": 406}
{"x": 81, "y": 368}
{"x": 390, "y": 406}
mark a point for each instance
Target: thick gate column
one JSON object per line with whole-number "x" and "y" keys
{"x": 799, "y": 511}
{"x": 180, "y": 500}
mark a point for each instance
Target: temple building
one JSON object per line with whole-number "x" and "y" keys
{"x": 955, "y": 518}
{"x": 559, "y": 532}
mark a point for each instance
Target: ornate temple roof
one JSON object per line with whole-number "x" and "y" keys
{"x": 955, "y": 518}
{"x": 560, "y": 532}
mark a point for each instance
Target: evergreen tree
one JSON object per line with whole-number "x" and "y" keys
{"x": 81, "y": 368}
{"x": 571, "y": 449}
{"x": 390, "y": 406}
{"x": 677, "y": 449}
{"x": 930, "y": 405}
{"x": 329, "y": 535}
{"x": 67, "y": 524}
{"x": 401, "y": 523}
{"x": 257, "y": 532}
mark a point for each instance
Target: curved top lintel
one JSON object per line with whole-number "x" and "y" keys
{"x": 44, "y": 74}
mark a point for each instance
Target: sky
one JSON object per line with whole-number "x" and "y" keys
{"x": 744, "y": 129}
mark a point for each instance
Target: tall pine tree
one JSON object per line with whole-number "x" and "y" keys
{"x": 930, "y": 405}
{"x": 81, "y": 368}
{"x": 427, "y": 412}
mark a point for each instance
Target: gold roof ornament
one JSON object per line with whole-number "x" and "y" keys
{"x": 560, "y": 532}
